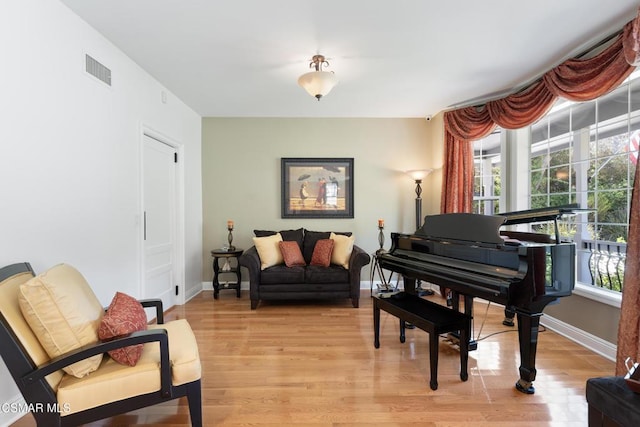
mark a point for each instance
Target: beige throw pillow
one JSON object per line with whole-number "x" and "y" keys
{"x": 342, "y": 248}
{"x": 269, "y": 250}
{"x": 63, "y": 313}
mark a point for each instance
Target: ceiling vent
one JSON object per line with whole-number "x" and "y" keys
{"x": 97, "y": 70}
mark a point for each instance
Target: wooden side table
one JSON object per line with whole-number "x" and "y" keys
{"x": 227, "y": 268}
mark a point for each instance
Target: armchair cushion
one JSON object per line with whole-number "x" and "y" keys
{"x": 342, "y": 248}
{"x": 310, "y": 239}
{"x": 124, "y": 316}
{"x": 63, "y": 314}
{"x": 269, "y": 250}
{"x": 322, "y": 253}
{"x": 113, "y": 381}
{"x": 292, "y": 254}
{"x": 287, "y": 235}
{"x": 282, "y": 274}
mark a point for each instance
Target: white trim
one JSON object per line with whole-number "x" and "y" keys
{"x": 603, "y": 296}
{"x": 591, "y": 342}
{"x": 193, "y": 292}
{"x": 179, "y": 251}
{"x": 208, "y": 286}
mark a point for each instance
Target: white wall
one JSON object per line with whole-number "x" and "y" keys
{"x": 70, "y": 159}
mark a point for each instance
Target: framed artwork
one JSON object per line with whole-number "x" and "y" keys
{"x": 317, "y": 188}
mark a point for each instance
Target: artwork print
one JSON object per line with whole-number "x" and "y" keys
{"x": 317, "y": 188}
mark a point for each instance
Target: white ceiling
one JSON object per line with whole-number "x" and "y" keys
{"x": 394, "y": 58}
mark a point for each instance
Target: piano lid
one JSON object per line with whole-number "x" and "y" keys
{"x": 550, "y": 213}
{"x": 463, "y": 226}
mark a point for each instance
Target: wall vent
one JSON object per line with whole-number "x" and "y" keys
{"x": 97, "y": 70}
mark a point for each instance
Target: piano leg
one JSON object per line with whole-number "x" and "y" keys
{"x": 528, "y": 325}
{"x": 376, "y": 324}
{"x": 409, "y": 285}
{"x": 509, "y": 314}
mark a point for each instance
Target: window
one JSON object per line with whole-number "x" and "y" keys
{"x": 486, "y": 186}
{"x": 586, "y": 153}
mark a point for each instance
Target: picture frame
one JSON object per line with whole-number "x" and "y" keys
{"x": 317, "y": 187}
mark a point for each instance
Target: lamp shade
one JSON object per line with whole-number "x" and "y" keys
{"x": 318, "y": 83}
{"x": 419, "y": 174}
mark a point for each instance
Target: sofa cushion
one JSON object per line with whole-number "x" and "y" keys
{"x": 292, "y": 254}
{"x": 342, "y": 248}
{"x": 282, "y": 274}
{"x": 331, "y": 274}
{"x": 124, "y": 316}
{"x": 63, "y": 313}
{"x": 322, "y": 253}
{"x": 269, "y": 250}
{"x": 310, "y": 239}
{"x": 287, "y": 235}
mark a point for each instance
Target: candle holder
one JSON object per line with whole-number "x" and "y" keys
{"x": 380, "y": 239}
{"x": 230, "y": 238}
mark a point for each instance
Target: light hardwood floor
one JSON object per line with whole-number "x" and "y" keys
{"x": 313, "y": 364}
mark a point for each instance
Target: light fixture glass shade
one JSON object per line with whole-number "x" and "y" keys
{"x": 419, "y": 174}
{"x": 318, "y": 83}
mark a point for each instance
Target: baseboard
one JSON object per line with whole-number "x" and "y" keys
{"x": 208, "y": 286}
{"x": 591, "y": 342}
{"x": 192, "y": 292}
{"x": 9, "y": 410}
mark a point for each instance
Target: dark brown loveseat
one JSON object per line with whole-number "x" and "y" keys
{"x": 280, "y": 282}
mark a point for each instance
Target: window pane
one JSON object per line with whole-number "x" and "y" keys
{"x": 587, "y": 153}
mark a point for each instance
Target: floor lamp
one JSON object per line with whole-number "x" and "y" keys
{"x": 418, "y": 175}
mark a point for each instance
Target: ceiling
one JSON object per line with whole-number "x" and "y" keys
{"x": 394, "y": 58}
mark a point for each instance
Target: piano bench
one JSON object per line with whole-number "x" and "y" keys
{"x": 612, "y": 403}
{"x": 432, "y": 318}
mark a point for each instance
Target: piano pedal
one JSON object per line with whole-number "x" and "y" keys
{"x": 454, "y": 339}
{"x": 508, "y": 321}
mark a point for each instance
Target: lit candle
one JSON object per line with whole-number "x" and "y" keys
{"x": 229, "y": 224}
{"x": 381, "y": 223}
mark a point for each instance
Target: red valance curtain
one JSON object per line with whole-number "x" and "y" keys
{"x": 578, "y": 80}
{"x": 575, "y": 79}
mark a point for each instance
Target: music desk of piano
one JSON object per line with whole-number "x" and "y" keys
{"x": 467, "y": 254}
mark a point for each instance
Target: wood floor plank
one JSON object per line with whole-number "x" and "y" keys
{"x": 313, "y": 364}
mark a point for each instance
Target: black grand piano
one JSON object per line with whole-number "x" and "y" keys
{"x": 470, "y": 256}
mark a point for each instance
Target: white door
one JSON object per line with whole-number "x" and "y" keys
{"x": 159, "y": 221}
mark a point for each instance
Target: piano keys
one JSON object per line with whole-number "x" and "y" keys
{"x": 469, "y": 255}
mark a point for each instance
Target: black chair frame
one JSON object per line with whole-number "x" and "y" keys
{"x": 35, "y": 389}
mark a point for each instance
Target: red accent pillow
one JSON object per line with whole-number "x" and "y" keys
{"x": 322, "y": 253}
{"x": 292, "y": 254}
{"x": 124, "y": 316}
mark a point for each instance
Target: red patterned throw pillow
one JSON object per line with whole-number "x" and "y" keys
{"x": 322, "y": 253}
{"x": 292, "y": 254}
{"x": 124, "y": 316}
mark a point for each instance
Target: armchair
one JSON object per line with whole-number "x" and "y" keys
{"x": 169, "y": 367}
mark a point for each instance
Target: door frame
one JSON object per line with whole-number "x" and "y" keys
{"x": 179, "y": 265}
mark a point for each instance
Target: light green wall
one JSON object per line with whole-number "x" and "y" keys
{"x": 241, "y": 174}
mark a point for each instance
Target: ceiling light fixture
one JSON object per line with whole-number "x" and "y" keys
{"x": 318, "y": 83}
